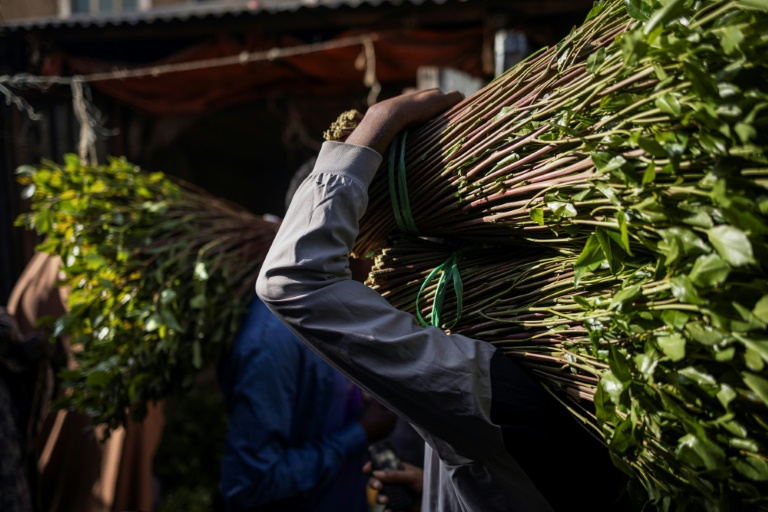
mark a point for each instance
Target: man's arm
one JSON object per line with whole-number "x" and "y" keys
{"x": 438, "y": 382}
{"x": 472, "y": 404}
{"x": 441, "y": 384}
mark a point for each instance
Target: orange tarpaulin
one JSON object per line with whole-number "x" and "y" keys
{"x": 329, "y": 72}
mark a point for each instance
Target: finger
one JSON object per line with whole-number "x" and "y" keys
{"x": 367, "y": 467}
{"x": 433, "y": 102}
{"x": 443, "y": 98}
{"x": 395, "y": 476}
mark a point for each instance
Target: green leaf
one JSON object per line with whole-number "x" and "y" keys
{"x": 639, "y": 9}
{"x": 97, "y": 379}
{"x": 685, "y": 291}
{"x": 668, "y": 104}
{"x": 699, "y": 219}
{"x": 664, "y": 15}
{"x": 595, "y": 60}
{"x": 653, "y": 148}
{"x": 625, "y": 295}
{"x": 746, "y": 132}
{"x": 509, "y": 159}
{"x": 761, "y": 309}
{"x": 167, "y": 296}
{"x": 752, "y": 467}
{"x": 753, "y": 360}
{"x": 749, "y": 321}
{"x": 755, "y": 5}
{"x": 726, "y": 394}
{"x": 597, "y": 8}
{"x": 503, "y": 112}
{"x": 677, "y": 242}
{"x": 153, "y": 323}
{"x": 590, "y": 258}
{"x": 620, "y": 366}
{"x": 713, "y": 144}
{"x": 646, "y": 364}
{"x": 709, "y": 270}
{"x": 757, "y": 384}
{"x": 725, "y": 355}
{"x": 730, "y": 39}
{"x": 758, "y": 345}
{"x": 674, "y": 318}
{"x": 699, "y": 451}
{"x": 621, "y": 218}
{"x": 612, "y": 386}
{"x": 169, "y": 319}
{"x": 701, "y": 378}
{"x": 71, "y": 160}
{"x": 701, "y": 81}
{"x": 649, "y": 176}
{"x": 606, "y": 165}
{"x": 562, "y": 209}
{"x": 732, "y": 244}
{"x": 581, "y": 301}
{"x": 673, "y": 346}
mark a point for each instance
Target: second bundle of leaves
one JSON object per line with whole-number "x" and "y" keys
{"x": 159, "y": 274}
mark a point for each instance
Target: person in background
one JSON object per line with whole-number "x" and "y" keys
{"x": 297, "y": 429}
{"x": 18, "y": 376}
{"x": 71, "y": 470}
{"x": 495, "y": 439}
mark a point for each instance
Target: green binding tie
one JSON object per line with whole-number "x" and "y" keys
{"x": 450, "y": 272}
{"x": 398, "y": 187}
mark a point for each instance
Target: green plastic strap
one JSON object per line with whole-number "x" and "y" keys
{"x": 398, "y": 187}
{"x": 450, "y": 273}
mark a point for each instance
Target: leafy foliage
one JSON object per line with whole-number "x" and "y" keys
{"x": 159, "y": 275}
{"x": 609, "y": 200}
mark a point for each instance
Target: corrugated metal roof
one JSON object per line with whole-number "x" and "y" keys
{"x": 182, "y": 12}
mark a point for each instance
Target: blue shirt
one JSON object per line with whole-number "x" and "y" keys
{"x": 293, "y": 442}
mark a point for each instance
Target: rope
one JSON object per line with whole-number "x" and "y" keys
{"x": 153, "y": 71}
{"x": 369, "y": 79}
{"x": 87, "y": 142}
{"x": 88, "y": 123}
{"x": 449, "y": 272}
{"x": 398, "y": 187}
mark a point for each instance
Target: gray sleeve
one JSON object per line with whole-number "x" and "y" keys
{"x": 440, "y": 383}
{"x": 437, "y": 381}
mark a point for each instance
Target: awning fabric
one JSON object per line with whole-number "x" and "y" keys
{"x": 330, "y": 72}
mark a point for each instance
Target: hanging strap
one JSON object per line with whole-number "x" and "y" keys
{"x": 398, "y": 187}
{"x": 449, "y": 270}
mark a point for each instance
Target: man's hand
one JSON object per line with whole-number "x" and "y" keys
{"x": 386, "y": 119}
{"x": 410, "y": 476}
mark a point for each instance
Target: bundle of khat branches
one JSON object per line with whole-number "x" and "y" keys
{"x": 159, "y": 274}
{"x": 622, "y": 112}
{"x": 606, "y": 210}
{"x": 675, "y": 388}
